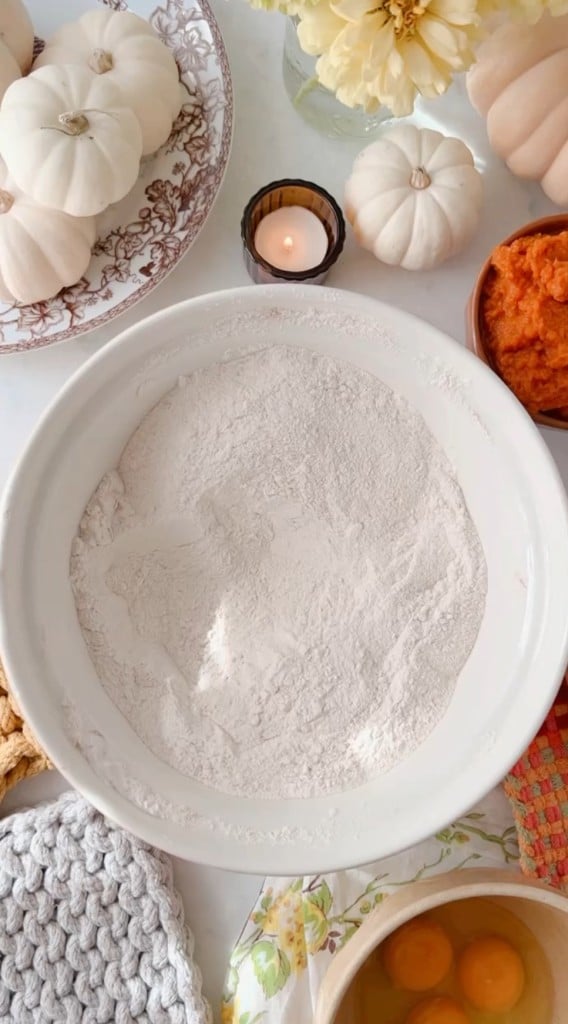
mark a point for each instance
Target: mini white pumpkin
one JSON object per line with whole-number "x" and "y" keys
{"x": 17, "y": 32}
{"x": 123, "y": 48}
{"x": 68, "y": 139}
{"x": 9, "y": 68}
{"x": 414, "y": 197}
{"x": 41, "y": 250}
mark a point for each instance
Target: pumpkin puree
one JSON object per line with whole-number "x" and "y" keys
{"x": 524, "y": 306}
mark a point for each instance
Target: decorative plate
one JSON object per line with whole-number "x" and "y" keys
{"x": 141, "y": 239}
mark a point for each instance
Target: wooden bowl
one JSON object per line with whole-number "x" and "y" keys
{"x": 474, "y": 324}
{"x": 543, "y": 910}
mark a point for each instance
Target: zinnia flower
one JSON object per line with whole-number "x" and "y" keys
{"x": 374, "y": 52}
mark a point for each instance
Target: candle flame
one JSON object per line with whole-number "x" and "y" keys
{"x": 288, "y": 243}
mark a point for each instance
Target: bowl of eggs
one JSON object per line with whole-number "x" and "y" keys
{"x": 468, "y": 947}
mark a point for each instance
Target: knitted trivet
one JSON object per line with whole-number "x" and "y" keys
{"x": 20, "y": 756}
{"x": 538, "y": 790}
{"x": 91, "y": 928}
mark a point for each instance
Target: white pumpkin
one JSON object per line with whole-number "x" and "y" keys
{"x": 123, "y": 48}
{"x": 414, "y": 197}
{"x": 9, "y": 68}
{"x": 41, "y": 250}
{"x": 68, "y": 139}
{"x": 17, "y": 32}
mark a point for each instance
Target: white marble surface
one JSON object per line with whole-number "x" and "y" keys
{"x": 270, "y": 142}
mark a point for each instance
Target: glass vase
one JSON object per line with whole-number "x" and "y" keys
{"x": 316, "y": 104}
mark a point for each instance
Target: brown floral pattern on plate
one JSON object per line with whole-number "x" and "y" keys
{"x": 142, "y": 238}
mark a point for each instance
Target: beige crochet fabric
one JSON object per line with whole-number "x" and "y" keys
{"x": 20, "y": 755}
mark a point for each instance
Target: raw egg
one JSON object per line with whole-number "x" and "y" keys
{"x": 438, "y": 1010}
{"x": 419, "y": 955}
{"x": 491, "y": 974}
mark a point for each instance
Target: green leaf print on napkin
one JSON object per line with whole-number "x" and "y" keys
{"x": 316, "y": 927}
{"x": 322, "y": 898}
{"x": 464, "y": 831}
{"x": 271, "y": 967}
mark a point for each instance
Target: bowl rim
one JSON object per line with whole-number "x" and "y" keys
{"x": 552, "y": 224}
{"x": 418, "y": 898}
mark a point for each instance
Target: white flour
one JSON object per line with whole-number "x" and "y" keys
{"x": 280, "y": 583}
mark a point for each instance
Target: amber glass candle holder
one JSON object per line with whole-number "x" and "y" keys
{"x": 305, "y": 235}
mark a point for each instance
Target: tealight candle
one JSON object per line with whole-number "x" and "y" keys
{"x": 291, "y": 238}
{"x": 292, "y": 230}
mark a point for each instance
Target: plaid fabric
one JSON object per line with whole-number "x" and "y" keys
{"x": 538, "y": 790}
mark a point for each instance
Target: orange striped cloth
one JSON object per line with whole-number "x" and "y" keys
{"x": 537, "y": 788}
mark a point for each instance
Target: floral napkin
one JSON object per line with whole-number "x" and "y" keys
{"x": 297, "y": 924}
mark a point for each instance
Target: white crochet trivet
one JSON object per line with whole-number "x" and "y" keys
{"x": 91, "y": 928}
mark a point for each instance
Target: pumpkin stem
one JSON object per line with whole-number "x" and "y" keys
{"x": 420, "y": 178}
{"x": 73, "y": 122}
{"x": 76, "y": 122}
{"x": 101, "y": 61}
{"x": 6, "y": 201}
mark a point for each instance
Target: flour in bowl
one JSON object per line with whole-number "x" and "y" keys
{"x": 280, "y": 583}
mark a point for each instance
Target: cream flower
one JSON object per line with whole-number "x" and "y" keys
{"x": 374, "y": 52}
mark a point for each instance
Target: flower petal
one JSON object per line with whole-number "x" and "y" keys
{"x": 352, "y": 10}
{"x": 439, "y": 37}
{"x": 382, "y": 45}
{"x": 455, "y": 12}
{"x": 318, "y": 28}
{"x": 419, "y": 64}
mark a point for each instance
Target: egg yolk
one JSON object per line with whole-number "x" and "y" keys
{"x": 438, "y": 1010}
{"x": 491, "y": 974}
{"x": 418, "y": 956}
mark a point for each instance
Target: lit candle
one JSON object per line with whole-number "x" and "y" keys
{"x": 292, "y": 230}
{"x": 291, "y": 238}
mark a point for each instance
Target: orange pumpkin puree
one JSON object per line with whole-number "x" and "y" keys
{"x": 524, "y": 307}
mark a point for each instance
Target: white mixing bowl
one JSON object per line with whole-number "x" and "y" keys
{"x": 514, "y": 495}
